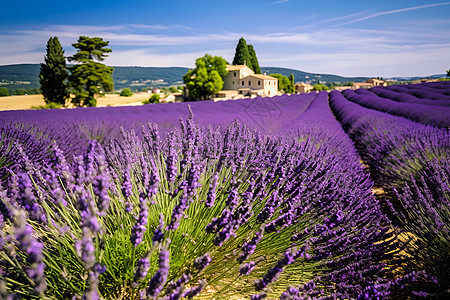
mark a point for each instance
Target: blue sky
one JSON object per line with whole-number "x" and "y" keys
{"x": 349, "y": 38}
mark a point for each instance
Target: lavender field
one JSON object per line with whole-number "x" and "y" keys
{"x": 247, "y": 199}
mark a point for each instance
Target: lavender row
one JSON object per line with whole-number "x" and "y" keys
{"x": 431, "y": 115}
{"x": 72, "y": 129}
{"x": 149, "y": 216}
{"x": 402, "y": 96}
{"x": 430, "y": 91}
{"x": 410, "y": 162}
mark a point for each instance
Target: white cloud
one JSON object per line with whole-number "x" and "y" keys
{"x": 389, "y": 12}
{"x": 349, "y": 52}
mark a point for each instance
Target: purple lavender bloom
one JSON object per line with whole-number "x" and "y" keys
{"x": 142, "y": 269}
{"x": 175, "y": 290}
{"x": 127, "y": 187}
{"x": 247, "y": 268}
{"x": 27, "y": 200}
{"x": 249, "y": 247}
{"x": 86, "y": 249}
{"x": 159, "y": 231}
{"x": 259, "y": 296}
{"x": 179, "y": 209}
{"x": 28, "y": 244}
{"x": 211, "y": 197}
{"x": 158, "y": 281}
{"x": 273, "y": 273}
{"x": 202, "y": 262}
{"x": 138, "y": 230}
{"x": 195, "y": 290}
{"x": 290, "y": 294}
{"x": 101, "y": 186}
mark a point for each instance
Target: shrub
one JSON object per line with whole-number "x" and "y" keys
{"x": 126, "y": 92}
{"x": 4, "y": 92}
{"x": 154, "y": 98}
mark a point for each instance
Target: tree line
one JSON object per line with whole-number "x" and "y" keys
{"x": 84, "y": 80}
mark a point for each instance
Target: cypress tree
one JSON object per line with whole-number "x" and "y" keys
{"x": 53, "y": 74}
{"x": 242, "y": 56}
{"x": 254, "y": 60}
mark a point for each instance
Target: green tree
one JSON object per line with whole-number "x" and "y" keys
{"x": 242, "y": 56}
{"x": 292, "y": 79}
{"x": 284, "y": 84}
{"x": 90, "y": 78}
{"x": 126, "y": 92}
{"x": 4, "y": 92}
{"x": 254, "y": 60}
{"x": 206, "y": 78}
{"x": 448, "y": 73}
{"x": 320, "y": 87}
{"x": 53, "y": 74}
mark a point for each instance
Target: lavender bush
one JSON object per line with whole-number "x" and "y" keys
{"x": 410, "y": 162}
{"x": 202, "y": 211}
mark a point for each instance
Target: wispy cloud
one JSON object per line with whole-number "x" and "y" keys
{"x": 343, "y": 51}
{"x": 280, "y": 1}
{"x": 395, "y": 11}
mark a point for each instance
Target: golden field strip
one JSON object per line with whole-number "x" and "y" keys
{"x": 26, "y": 102}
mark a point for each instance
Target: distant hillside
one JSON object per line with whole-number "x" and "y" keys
{"x": 26, "y": 76}
{"x": 311, "y": 77}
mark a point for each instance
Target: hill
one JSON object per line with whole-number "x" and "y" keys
{"x": 26, "y": 76}
{"x": 311, "y": 77}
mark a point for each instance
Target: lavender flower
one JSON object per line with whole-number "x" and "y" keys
{"x": 211, "y": 197}
{"x": 142, "y": 269}
{"x": 86, "y": 249}
{"x": 159, "y": 231}
{"x": 175, "y": 290}
{"x": 249, "y": 247}
{"x": 27, "y": 200}
{"x": 247, "y": 268}
{"x": 273, "y": 273}
{"x": 100, "y": 187}
{"x": 127, "y": 187}
{"x": 202, "y": 262}
{"x": 195, "y": 290}
{"x": 158, "y": 281}
{"x": 138, "y": 230}
{"x": 28, "y": 244}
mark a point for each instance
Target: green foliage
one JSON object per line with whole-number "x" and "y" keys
{"x": 284, "y": 84}
{"x": 90, "y": 78}
{"x": 53, "y": 75}
{"x": 206, "y": 78}
{"x": 292, "y": 79}
{"x": 254, "y": 60}
{"x": 154, "y": 98}
{"x": 126, "y": 92}
{"x": 245, "y": 54}
{"x": 448, "y": 73}
{"x": 4, "y": 92}
{"x": 320, "y": 87}
{"x": 50, "y": 105}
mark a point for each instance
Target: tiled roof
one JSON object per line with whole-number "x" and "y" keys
{"x": 260, "y": 76}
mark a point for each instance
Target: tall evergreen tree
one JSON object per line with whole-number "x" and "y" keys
{"x": 53, "y": 75}
{"x": 245, "y": 54}
{"x": 90, "y": 78}
{"x": 242, "y": 55}
{"x": 291, "y": 79}
{"x": 254, "y": 60}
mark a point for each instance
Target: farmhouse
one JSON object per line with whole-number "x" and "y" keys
{"x": 303, "y": 88}
{"x": 242, "y": 81}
